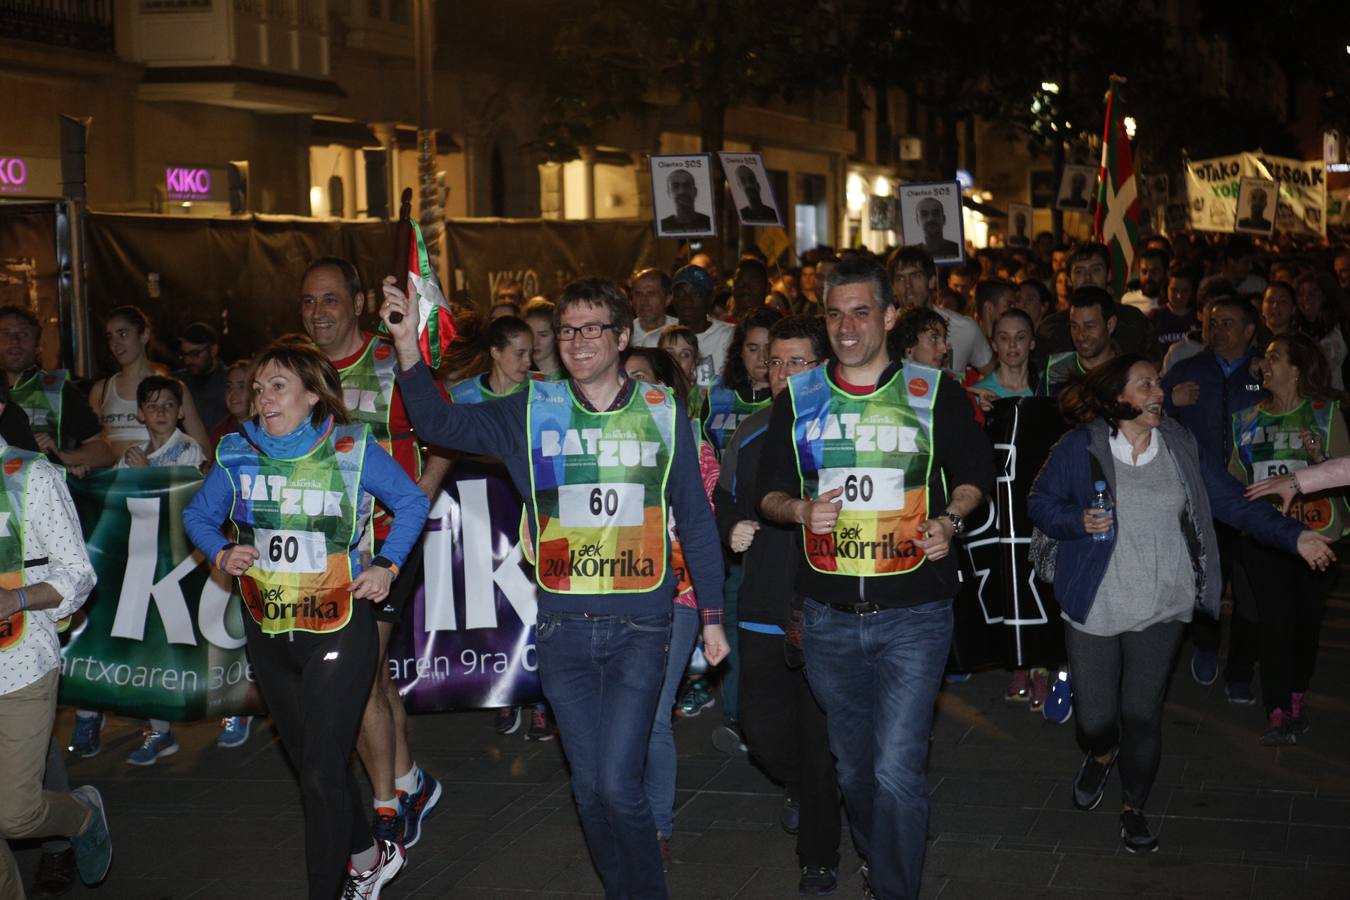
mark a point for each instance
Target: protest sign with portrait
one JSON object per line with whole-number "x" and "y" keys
{"x": 682, "y": 195}
{"x": 1076, "y": 187}
{"x": 930, "y": 217}
{"x": 1255, "y": 201}
{"x": 750, "y": 189}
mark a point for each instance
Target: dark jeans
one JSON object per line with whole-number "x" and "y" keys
{"x": 602, "y": 676}
{"x": 1119, "y": 684}
{"x": 784, "y": 728}
{"x": 877, "y": 678}
{"x": 316, "y": 687}
{"x": 1291, "y": 600}
{"x": 1244, "y": 639}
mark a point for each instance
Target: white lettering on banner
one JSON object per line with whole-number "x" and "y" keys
{"x": 138, "y": 590}
{"x": 626, "y": 452}
{"x": 482, "y": 577}
{"x": 600, "y": 505}
{"x": 865, "y": 438}
{"x": 866, "y": 489}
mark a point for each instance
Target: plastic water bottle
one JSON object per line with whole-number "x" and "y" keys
{"x": 1102, "y": 501}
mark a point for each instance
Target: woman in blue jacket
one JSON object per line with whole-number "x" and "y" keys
{"x": 296, "y": 481}
{"x": 1128, "y": 581}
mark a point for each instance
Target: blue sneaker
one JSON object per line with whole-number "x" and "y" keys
{"x": 1059, "y": 705}
{"x": 956, "y": 677}
{"x": 388, "y": 826}
{"x": 417, "y": 806}
{"x": 86, "y": 740}
{"x": 156, "y": 744}
{"x": 694, "y": 701}
{"x": 1204, "y": 666}
{"x": 93, "y": 846}
{"x": 234, "y": 731}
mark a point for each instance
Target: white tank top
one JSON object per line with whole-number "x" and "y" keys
{"x": 118, "y": 416}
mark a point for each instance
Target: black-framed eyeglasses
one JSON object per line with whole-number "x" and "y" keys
{"x": 590, "y": 332}
{"x": 796, "y": 363}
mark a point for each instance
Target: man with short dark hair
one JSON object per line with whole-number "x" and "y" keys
{"x": 63, "y": 424}
{"x": 877, "y": 461}
{"x": 993, "y": 296}
{"x": 963, "y": 279}
{"x": 749, "y": 286}
{"x": 1238, "y": 256}
{"x": 602, "y": 462}
{"x": 1152, "y": 282}
{"x": 1091, "y": 265}
{"x": 913, "y": 280}
{"x": 203, "y": 372}
{"x": 1092, "y": 322}
{"x": 651, "y": 290}
{"x": 693, "y": 293}
{"x": 1203, "y": 393}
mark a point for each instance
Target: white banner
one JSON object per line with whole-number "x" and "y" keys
{"x": 1212, "y": 191}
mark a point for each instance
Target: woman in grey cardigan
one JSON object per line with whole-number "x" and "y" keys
{"x": 1127, "y": 598}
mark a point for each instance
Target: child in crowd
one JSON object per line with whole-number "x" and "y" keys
{"x": 159, "y": 407}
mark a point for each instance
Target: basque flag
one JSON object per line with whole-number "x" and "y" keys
{"x": 1116, "y": 223}
{"x": 435, "y": 323}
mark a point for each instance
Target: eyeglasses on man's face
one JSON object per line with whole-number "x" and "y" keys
{"x": 796, "y": 364}
{"x": 590, "y": 332}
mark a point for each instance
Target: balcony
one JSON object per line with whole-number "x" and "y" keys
{"x": 74, "y": 24}
{"x": 262, "y": 55}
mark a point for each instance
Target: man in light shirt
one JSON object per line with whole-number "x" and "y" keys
{"x": 651, "y": 289}
{"x": 914, "y": 279}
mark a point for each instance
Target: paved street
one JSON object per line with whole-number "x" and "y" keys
{"x": 1234, "y": 819}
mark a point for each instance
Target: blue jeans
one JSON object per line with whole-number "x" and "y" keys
{"x": 877, "y": 678}
{"x": 602, "y": 676}
{"x": 659, "y": 781}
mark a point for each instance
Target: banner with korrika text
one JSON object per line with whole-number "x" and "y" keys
{"x": 162, "y": 634}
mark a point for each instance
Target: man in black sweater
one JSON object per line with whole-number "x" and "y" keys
{"x": 859, "y": 454}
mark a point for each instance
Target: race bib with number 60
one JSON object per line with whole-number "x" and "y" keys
{"x": 600, "y": 505}
{"x": 289, "y": 551}
{"x": 864, "y": 489}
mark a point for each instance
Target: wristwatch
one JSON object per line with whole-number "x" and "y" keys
{"x": 958, "y": 522}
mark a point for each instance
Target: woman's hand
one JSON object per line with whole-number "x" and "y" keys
{"x": 715, "y": 646}
{"x": 237, "y": 559}
{"x": 1315, "y": 548}
{"x": 1283, "y": 486}
{"x": 743, "y": 534}
{"x": 372, "y": 584}
{"x": 984, "y": 397}
{"x": 1098, "y": 521}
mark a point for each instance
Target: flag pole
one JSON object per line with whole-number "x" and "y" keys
{"x": 403, "y": 242}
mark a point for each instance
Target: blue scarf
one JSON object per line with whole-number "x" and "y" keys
{"x": 288, "y": 446}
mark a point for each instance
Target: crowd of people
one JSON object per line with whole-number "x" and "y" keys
{"x": 747, "y": 491}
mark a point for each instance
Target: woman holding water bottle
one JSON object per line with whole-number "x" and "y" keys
{"x": 1135, "y": 558}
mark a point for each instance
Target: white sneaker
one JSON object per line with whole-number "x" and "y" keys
{"x": 366, "y": 885}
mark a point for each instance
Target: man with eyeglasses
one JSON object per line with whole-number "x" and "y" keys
{"x": 877, "y": 461}
{"x": 601, "y": 461}
{"x": 203, "y": 372}
{"x": 783, "y": 726}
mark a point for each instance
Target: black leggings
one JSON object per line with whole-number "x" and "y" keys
{"x": 1119, "y": 684}
{"x": 1292, "y": 599}
{"x": 316, "y": 687}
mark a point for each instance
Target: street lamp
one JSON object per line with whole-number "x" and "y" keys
{"x": 1130, "y": 126}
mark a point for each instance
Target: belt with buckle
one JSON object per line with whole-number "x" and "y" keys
{"x": 857, "y": 609}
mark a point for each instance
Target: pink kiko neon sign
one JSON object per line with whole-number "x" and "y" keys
{"x": 187, "y": 184}
{"x": 13, "y": 175}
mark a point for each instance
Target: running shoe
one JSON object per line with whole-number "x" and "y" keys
{"x": 1135, "y": 833}
{"x": 415, "y": 807}
{"x": 86, "y": 741}
{"x": 1039, "y": 688}
{"x": 234, "y": 731}
{"x": 1090, "y": 782}
{"x": 1019, "y": 690}
{"x": 817, "y": 881}
{"x": 388, "y": 826}
{"x": 694, "y": 701}
{"x": 508, "y": 719}
{"x": 1240, "y": 693}
{"x": 1298, "y": 713}
{"x": 727, "y": 739}
{"x": 541, "y": 729}
{"x": 1059, "y": 703}
{"x": 1279, "y": 730}
{"x": 93, "y": 846}
{"x": 157, "y": 744}
{"x": 1204, "y": 666}
{"x": 368, "y": 884}
{"x": 56, "y": 874}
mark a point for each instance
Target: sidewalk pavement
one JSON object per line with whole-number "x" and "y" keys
{"x": 1234, "y": 820}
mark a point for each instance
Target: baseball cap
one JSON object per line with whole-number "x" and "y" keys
{"x": 696, "y": 277}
